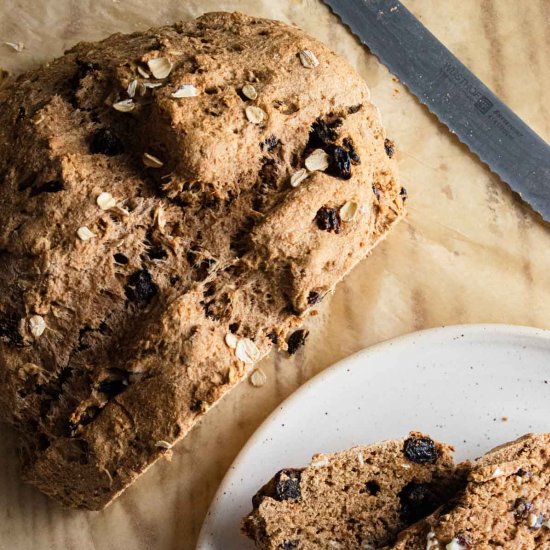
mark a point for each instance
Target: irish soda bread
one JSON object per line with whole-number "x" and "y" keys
{"x": 172, "y": 204}
{"x": 355, "y": 499}
{"x": 505, "y": 505}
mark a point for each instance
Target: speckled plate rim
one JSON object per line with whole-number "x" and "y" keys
{"x": 523, "y": 338}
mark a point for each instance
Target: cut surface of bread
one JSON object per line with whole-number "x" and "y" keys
{"x": 356, "y": 499}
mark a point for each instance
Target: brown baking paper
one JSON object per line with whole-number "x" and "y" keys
{"x": 468, "y": 252}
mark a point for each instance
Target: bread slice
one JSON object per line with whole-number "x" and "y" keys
{"x": 360, "y": 498}
{"x": 160, "y": 232}
{"x": 506, "y": 504}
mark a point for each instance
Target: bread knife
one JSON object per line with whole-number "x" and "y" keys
{"x": 454, "y": 94}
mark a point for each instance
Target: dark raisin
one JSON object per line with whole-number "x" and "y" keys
{"x": 270, "y": 143}
{"x": 417, "y": 501}
{"x": 421, "y": 450}
{"x": 88, "y": 415}
{"x": 234, "y": 327}
{"x": 64, "y": 375}
{"x": 43, "y": 442}
{"x": 203, "y": 269}
{"x": 328, "y": 219}
{"x": 9, "y": 331}
{"x": 157, "y": 253}
{"x": 313, "y": 298}
{"x": 339, "y": 162}
{"x": 389, "y": 147}
{"x": 141, "y": 288}
{"x": 21, "y": 114}
{"x": 209, "y": 290}
{"x": 287, "y": 485}
{"x": 523, "y": 473}
{"x": 104, "y": 328}
{"x": 27, "y": 182}
{"x": 288, "y": 544}
{"x": 52, "y": 186}
{"x": 273, "y": 337}
{"x": 196, "y": 406}
{"x": 354, "y": 157}
{"x": 120, "y": 258}
{"x": 296, "y": 340}
{"x": 355, "y": 108}
{"x": 321, "y": 134}
{"x": 269, "y": 173}
{"x": 403, "y": 193}
{"x": 376, "y": 192}
{"x": 372, "y": 487}
{"x": 522, "y": 508}
{"x": 113, "y": 387}
{"x": 105, "y": 142}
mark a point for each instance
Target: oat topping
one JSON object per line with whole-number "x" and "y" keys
{"x": 317, "y": 161}
{"x": 187, "y": 90}
{"x": 160, "y": 67}
{"x": 249, "y": 91}
{"x": 16, "y": 46}
{"x": 348, "y": 211}
{"x": 255, "y": 114}
{"x": 320, "y": 462}
{"x": 150, "y": 85}
{"x": 455, "y": 544}
{"x": 431, "y": 541}
{"x": 309, "y": 59}
{"x": 497, "y": 473}
{"x": 143, "y": 72}
{"x": 534, "y": 521}
{"x": 37, "y": 325}
{"x": 360, "y": 458}
{"x": 231, "y": 340}
{"x": 132, "y": 87}
{"x": 298, "y": 177}
{"x": 163, "y": 444}
{"x": 247, "y": 352}
{"x": 105, "y": 201}
{"x": 258, "y": 378}
{"x": 151, "y": 161}
{"x": 84, "y": 234}
{"x": 124, "y": 106}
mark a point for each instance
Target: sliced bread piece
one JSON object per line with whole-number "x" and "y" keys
{"x": 359, "y": 498}
{"x": 505, "y": 505}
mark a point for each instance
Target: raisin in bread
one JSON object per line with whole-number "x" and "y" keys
{"x": 506, "y": 504}
{"x": 172, "y": 203}
{"x": 360, "y": 498}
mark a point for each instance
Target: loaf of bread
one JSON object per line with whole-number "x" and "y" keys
{"x": 506, "y": 504}
{"x": 356, "y": 499}
{"x": 172, "y": 202}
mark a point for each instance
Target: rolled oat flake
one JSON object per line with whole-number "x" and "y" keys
{"x": 247, "y": 351}
{"x": 309, "y": 59}
{"x": 258, "y": 378}
{"x": 317, "y": 161}
{"x": 105, "y": 201}
{"x": 187, "y": 90}
{"x": 151, "y": 161}
{"x": 84, "y": 234}
{"x": 298, "y": 177}
{"x": 255, "y": 114}
{"x": 37, "y": 325}
{"x": 249, "y": 91}
{"x": 124, "y": 106}
{"x": 160, "y": 67}
{"x": 348, "y": 211}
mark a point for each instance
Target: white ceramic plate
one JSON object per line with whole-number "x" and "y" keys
{"x": 474, "y": 386}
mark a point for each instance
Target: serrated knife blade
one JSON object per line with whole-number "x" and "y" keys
{"x": 454, "y": 94}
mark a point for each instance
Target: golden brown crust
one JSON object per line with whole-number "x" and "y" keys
{"x": 112, "y": 321}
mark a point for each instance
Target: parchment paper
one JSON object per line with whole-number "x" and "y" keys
{"x": 468, "y": 252}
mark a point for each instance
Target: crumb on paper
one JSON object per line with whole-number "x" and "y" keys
{"x": 504, "y": 419}
{"x": 15, "y": 46}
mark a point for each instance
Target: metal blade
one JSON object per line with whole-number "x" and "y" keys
{"x": 460, "y": 100}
